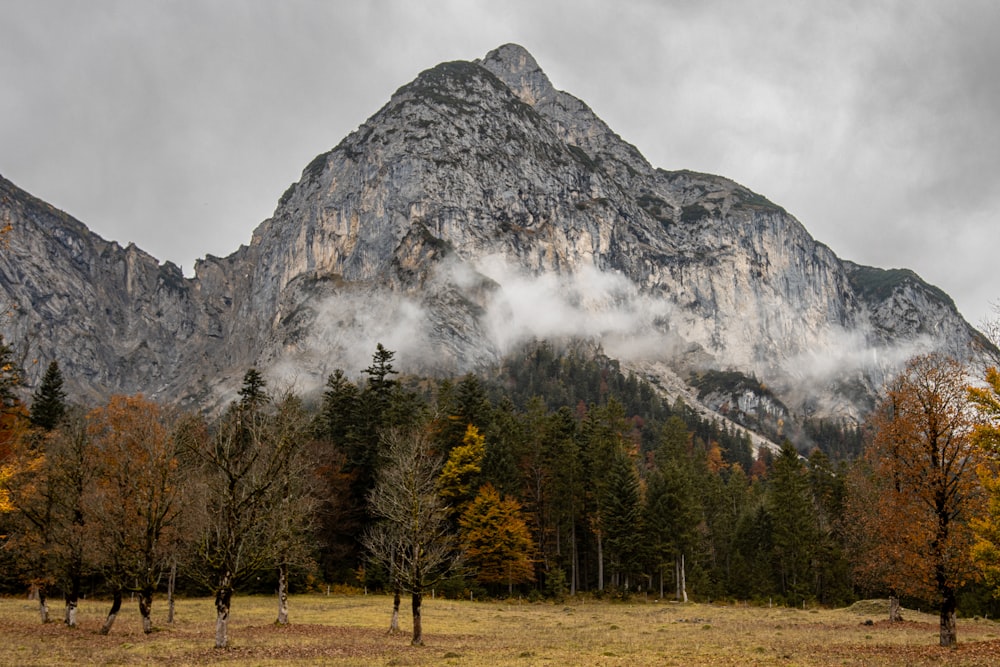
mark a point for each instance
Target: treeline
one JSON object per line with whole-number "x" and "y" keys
{"x": 554, "y": 475}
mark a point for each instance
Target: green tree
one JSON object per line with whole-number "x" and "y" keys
{"x": 673, "y": 509}
{"x": 48, "y": 403}
{"x": 604, "y": 437}
{"x": 794, "y": 524}
{"x": 341, "y": 496}
{"x": 621, "y": 520}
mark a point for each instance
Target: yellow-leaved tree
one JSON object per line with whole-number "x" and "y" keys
{"x": 986, "y": 436}
{"x": 496, "y": 540}
{"x": 461, "y": 471}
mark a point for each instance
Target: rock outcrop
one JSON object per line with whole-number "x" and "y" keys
{"x": 479, "y": 208}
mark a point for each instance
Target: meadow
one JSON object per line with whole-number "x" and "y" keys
{"x": 351, "y": 630}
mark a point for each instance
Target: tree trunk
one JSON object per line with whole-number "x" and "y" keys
{"x": 43, "y": 605}
{"x": 146, "y": 609}
{"x": 575, "y": 576}
{"x": 394, "y": 623}
{"x": 72, "y": 600}
{"x": 116, "y": 605}
{"x": 223, "y": 599}
{"x": 283, "y": 594}
{"x": 418, "y": 630}
{"x": 682, "y": 580}
{"x": 949, "y": 632}
{"x": 894, "y": 610}
{"x": 72, "y": 592}
{"x": 171, "y": 582}
{"x": 600, "y": 563}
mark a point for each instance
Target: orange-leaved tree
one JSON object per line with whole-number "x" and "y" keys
{"x": 496, "y": 540}
{"x": 917, "y": 489}
{"x": 133, "y": 505}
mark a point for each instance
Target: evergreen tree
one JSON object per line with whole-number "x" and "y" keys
{"x": 252, "y": 393}
{"x": 504, "y": 440}
{"x": 622, "y": 520}
{"x": 48, "y": 404}
{"x": 673, "y": 506}
{"x": 795, "y": 534}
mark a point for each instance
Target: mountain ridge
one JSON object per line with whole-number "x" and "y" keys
{"x": 477, "y": 208}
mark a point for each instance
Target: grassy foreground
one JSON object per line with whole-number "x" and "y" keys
{"x": 350, "y": 630}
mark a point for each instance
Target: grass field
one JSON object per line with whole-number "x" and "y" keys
{"x": 350, "y": 630}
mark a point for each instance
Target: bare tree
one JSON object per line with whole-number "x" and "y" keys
{"x": 242, "y": 496}
{"x": 292, "y": 519}
{"x": 413, "y": 539}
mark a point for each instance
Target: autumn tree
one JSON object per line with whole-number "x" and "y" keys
{"x": 496, "y": 541}
{"x": 461, "y": 471}
{"x": 912, "y": 507}
{"x": 134, "y": 502}
{"x": 51, "y": 476}
{"x": 412, "y": 538}
{"x": 986, "y": 436}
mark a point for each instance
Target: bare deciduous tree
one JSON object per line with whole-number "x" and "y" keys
{"x": 242, "y": 494}
{"x": 412, "y": 540}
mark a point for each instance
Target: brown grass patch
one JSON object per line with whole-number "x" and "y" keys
{"x": 350, "y": 630}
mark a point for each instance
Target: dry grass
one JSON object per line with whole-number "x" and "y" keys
{"x": 350, "y": 630}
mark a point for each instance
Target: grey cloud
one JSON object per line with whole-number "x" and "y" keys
{"x": 178, "y": 125}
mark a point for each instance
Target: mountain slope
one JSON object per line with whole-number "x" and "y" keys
{"x": 477, "y": 209}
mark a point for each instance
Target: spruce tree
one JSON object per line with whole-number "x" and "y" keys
{"x": 48, "y": 403}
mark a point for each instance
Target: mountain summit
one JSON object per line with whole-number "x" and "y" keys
{"x": 481, "y": 208}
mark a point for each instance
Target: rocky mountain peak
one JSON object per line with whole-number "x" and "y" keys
{"x": 513, "y": 65}
{"x": 478, "y": 209}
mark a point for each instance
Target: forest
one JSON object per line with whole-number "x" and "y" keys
{"x": 553, "y": 475}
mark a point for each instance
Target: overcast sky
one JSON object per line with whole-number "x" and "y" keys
{"x": 177, "y": 125}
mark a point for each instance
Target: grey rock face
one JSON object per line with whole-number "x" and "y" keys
{"x": 478, "y": 208}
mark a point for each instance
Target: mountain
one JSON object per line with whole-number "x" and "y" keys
{"x": 478, "y": 209}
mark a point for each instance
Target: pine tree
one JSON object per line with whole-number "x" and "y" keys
{"x": 252, "y": 393}
{"x": 48, "y": 403}
{"x": 622, "y": 520}
{"x": 795, "y": 534}
{"x": 673, "y": 507}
